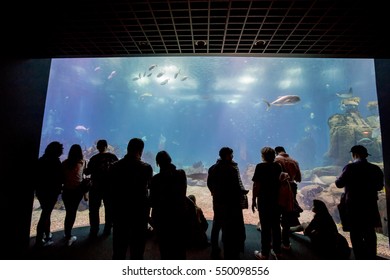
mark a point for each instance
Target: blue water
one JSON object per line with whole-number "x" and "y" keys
{"x": 213, "y": 101}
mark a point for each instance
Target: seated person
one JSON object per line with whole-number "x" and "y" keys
{"x": 197, "y": 224}
{"x": 324, "y": 236}
{"x": 199, "y": 214}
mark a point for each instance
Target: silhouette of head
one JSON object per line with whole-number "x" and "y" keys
{"x": 359, "y": 150}
{"x": 135, "y": 146}
{"x": 279, "y": 149}
{"x": 101, "y": 145}
{"x": 163, "y": 159}
{"x": 225, "y": 153}
{"x": 268, "y": 154}
{"x": 54, "y": 149}
{"x": 319, "y": 207}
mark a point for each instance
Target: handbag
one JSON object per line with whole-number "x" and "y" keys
{"x": 342, "y": 207}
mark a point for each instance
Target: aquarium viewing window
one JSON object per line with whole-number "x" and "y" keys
{"x": 193, "y": 106}
{"x": 317, "y": 108}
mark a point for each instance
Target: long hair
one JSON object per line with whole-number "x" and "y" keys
{"x": 54, "y": 149}
{"x": 75, "y": 155}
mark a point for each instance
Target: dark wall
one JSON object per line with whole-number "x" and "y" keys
{"x": 23, "y": 86}
{"x": 382, "y": 69}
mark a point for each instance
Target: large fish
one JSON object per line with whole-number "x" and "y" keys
{"x": 81, "y": 128}
{"x": 345, "y": 94}
{"x": 283, "y": 100}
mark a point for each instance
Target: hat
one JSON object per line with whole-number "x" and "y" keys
{"x": 359, "y": 149}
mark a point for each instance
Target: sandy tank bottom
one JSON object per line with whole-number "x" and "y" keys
{"x": 204, "y": 201}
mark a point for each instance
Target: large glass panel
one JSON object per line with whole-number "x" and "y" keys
{"x": 192, "y": 106}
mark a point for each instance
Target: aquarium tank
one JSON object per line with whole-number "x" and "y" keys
{"x": 191, "y": 106}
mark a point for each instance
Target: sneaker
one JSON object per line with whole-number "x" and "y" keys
{"x": 48, "y": 242}
{"x": 71, "y": 240}
{"x": 296, "y": 228}
{"x": 260, "y": 256}
{"x": 286, "y": 247}
{"x": 48, "y": 237}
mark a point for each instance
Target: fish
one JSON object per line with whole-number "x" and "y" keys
{"x": 146, "y": 94}
{"x": 160, "y": 74}
{"x": 372, "y": 105}
{"x": 316, "y": 180}
{"x": 164, "y": 82}
{"x": 365, "y": 141}
{"x": 283, "y": 100}
{"x": 351, "y": 102}
{"x": 198, "y": 176}
{"x": 151, "y": 67}
{"x": 177, "y": 74}
{"x": 150, "y": 74}
{"x": 136, "y": 78}
{"x": 112, "y": 75}
{"x": 345, "y": 94}
{"x": 184, "y": 78}
{"x": 58, "y": 130}
{"x": 81, "y": 128}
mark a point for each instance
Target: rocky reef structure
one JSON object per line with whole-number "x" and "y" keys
{"x": 349, "y": 129}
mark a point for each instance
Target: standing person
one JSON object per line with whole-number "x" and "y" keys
{"x": 130, "y": 178}
{"x": 48, "y": 188}
{"x": 168, "y": 200}
{"x": 224, "y": 183}
{"x": 289, "y": 219}
{"x": 73, "y": 168}
{"x": 98, "y": 168}
{"x": 266, "y": 186}
{"x": 362, "y": 180}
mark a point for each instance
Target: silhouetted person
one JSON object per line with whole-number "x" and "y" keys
{"x": 198, "y": 224}
{"x": 289, "y": 219}
{"x": 224, "y": 183}
{"x": 48, "y": 186}
{"x": 325, "y": 239}
{"x": 362, "y": 181}
{"x": 168, "y": 200}
{"x": 265, "y": 198}
{"x": 73, "y": 168}
{"x": 98, "y": 167}
{"x": 130, "y": 181}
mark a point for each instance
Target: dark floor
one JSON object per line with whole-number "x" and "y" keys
{"x": 101, "y": 248}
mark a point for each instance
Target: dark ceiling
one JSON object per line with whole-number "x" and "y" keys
{"x": 195, "y": 27}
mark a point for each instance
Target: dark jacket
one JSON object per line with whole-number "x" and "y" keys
{"x": 49, "y": 176}
{"x": 226, "y": 188}
{"x": 99, "y": 166}
{"x": 130, "y": 181}
{"x": 362, "y": 181}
